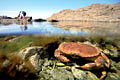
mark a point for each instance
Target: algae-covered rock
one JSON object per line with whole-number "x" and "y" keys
{"x": 112, "y": 76}
{"x": 111, "y": 51}
{"x": 56, "y": 74}
{"x": 32, "y": 54}
{"x": 115, "y": 66}
{"x": 83, "y": 75}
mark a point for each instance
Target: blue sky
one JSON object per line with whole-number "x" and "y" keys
{"x": 44, "y": 8}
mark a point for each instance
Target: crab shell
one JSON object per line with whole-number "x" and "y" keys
{"x": 86, "y": 51}
{"x": 79, "y": 49}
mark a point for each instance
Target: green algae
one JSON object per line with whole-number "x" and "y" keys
{"x": 19, "y": 42}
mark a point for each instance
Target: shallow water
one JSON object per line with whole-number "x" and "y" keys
{"x": 62, "y": 28}
{"x": 42, "y": 28}
{"x": 96, "y": 28}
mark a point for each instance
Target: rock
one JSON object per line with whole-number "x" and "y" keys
{"x": 56, "y": 74}
{"x": 115, "y": 66}
{"x": 83, "y": 75}
{"x": 39, "y": 20}
{"x": 112, "y": 76}
{"x": 60, "y": 64}
{"x": 111, "y": 51}
{"x": 28, "y": 18}
{"x": 10, "y": 38}
{"x": 94, "y": 12}
{"x": 14, "y": 68}
{"x": 53, "y": 21}
{"x": 32, "y": 54}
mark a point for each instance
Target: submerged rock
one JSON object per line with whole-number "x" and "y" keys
{"x": 83, "y": 75}
{"x": 56, "y": 74}
{"x": 113, "y": 52}
{"x": 112, "y": 76}
{"x": 115, "y": 67}
{"x": 32, "y": 54}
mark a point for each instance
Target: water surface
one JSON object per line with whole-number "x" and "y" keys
{"x": 62, "y": 28}
{"x": 36, "y": 28}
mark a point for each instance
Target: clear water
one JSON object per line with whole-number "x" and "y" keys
{"x": 42, "y": 28}
{"x": 62, "y": 28}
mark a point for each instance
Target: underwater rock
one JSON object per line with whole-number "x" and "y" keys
{"x": 14, "y": 68}
{"x": 115, "y": 66}
{"x": 83, "y": 75}
{"x": 32, "y": 54}
{"x": 9, "y": 38}
{"x": 111, "y": 51}
{"x": 56, "y": 74}
{"x": 60, "y": 64}
{"x": 112, "y": 76}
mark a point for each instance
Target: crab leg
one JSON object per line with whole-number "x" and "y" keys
{"x": 59, "y": 55}
{"x": 104, "y": 73}
{"x": 106, "y": 59}
{"x": 88, "y": 66}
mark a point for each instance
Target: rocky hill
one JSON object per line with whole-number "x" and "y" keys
{"x": 94, "y": 12}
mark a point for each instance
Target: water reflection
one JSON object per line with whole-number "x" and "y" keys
{"x": 61, "y": 28}
{"x": 101, "y": 28}
{"x": 23, "y": 25}
{"x": 36, "y": 28}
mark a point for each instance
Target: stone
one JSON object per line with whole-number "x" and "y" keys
{"x": 115, "y": 66}
{"x": 39, "y": 20}
{"x": 60, "y": 64}
{"x": 111, "y": 51}
{"x": 32, "y": 54}
{"x": 112, "y": 76}
{"x": 56, "y": 74}
{"x": 83, "y": 75}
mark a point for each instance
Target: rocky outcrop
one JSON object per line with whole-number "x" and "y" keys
{"x": 94, "y": 12}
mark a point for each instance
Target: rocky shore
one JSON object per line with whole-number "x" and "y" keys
{"x": 14, "y": 20}
{"x": 47, "y": 67}
{"x": 94, "y": 12}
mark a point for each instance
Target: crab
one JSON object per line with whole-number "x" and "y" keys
{"x": 81, "y": 50}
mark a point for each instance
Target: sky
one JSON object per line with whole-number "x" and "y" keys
{"x": 44, "y": 8}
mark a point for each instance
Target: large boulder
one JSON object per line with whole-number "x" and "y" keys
{"x": 32, "y": 54}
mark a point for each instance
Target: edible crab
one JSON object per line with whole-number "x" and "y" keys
{"x": 88, "y": 52}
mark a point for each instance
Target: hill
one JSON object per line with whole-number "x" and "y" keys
{"x": 94, "y": 12}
